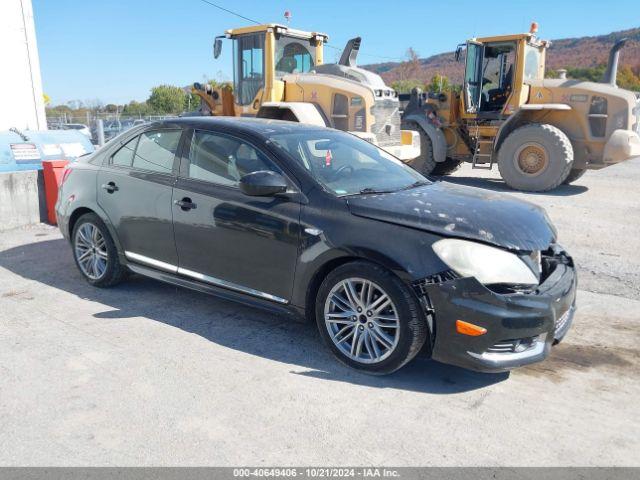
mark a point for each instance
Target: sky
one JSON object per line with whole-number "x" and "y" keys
{"x": 115, "y": 51}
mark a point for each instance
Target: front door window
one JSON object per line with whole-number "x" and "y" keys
{"x": 224, "y": 160}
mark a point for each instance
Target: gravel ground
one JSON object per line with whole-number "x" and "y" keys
{"x": 149, "y": 374}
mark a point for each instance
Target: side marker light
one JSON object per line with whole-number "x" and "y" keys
{"x": 466, "y": 328}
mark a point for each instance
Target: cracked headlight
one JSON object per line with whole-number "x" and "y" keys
{"x": 488, "y": 265}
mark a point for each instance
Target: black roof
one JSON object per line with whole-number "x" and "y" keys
{"x": 260, "y": 126}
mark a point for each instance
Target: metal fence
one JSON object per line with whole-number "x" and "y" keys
{"x": 89, "y": 124}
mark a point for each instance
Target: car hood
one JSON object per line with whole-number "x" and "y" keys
{"x": 463, "y": 212}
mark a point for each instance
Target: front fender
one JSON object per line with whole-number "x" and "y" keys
{"x": 438, "y": 141}
{"x": 406, "y": 252}
{"x": 523, "y": 114}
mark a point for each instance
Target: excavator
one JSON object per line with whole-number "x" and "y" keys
{"x": 541, "y": 132}
{"x": 279, "y": 73}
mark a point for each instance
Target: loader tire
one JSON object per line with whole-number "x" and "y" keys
{"x": 447, "y": 167}
{"x": 574, "y": 175}
{"x": 425, "y": 163}
{"x": 535, "y": 158}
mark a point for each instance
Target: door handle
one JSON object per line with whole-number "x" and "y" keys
{"x": 110, "y": 187}
{"x": 185, "y": 204}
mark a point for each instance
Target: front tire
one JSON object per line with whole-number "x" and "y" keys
{"x": 447, "y": 167}
{"x": 95, "y": 252}
{"x": 535, "y": 158}
{"x": 425, "y": 163}
{"x": 369, "y": 318}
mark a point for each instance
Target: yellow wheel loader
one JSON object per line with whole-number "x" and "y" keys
{"x": 541, "y": 132}
{"x": 279, "y": 74}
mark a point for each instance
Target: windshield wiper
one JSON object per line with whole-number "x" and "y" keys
{"x": 372, "y": 190}
{"x": 419, "y": 183}
{"x": 375, "y": 190}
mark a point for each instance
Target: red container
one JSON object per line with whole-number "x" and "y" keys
{"x": 53, "y": 172}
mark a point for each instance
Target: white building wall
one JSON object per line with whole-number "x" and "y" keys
{"x": 21, "y": 102}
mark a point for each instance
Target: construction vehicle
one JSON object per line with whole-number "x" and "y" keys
{"x": 279, "y": 74}
{"x": 541, "y": 132}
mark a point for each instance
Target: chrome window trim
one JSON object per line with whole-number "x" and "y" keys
{"x": 202, "y": 277}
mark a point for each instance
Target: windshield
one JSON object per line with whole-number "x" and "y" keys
{"x": 294, "y": 55}
{"x": 347, "y": 165}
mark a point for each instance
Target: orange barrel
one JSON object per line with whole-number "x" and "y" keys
{"x": 53, "y": 172}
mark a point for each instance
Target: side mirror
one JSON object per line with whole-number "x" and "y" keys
{"x": 458, "y": 53}
{"x": 263, "y": 183}
{"x": 217, "y": 47}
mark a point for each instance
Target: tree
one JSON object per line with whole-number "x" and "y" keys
{"x": 405, "y": 86}
{"x": 410, "y": 69}
{"x": 94, "y": 104}
{"x": 191, "y": 102}
{"x": 137, "y": 109}
{"x": 75, "y": 104}
{"x": 221, "y": 84}
{"x": 439, "y": 83}
{"x": 629, "y": 79}
{"x": 167, "y": 99}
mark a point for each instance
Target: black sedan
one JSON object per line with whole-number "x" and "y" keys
{"x": 323, "y": 224}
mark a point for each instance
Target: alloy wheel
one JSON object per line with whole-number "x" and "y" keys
{"x": 91, "y": 251}
{"x": 532, "y": 158}
{"x": 362, "y": 320}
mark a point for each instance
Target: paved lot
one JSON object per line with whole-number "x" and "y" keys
{"x": 148, "y": 374}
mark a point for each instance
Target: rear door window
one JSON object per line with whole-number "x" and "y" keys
{"x": 124, "y": 156}
{"x": 156, "y": 150}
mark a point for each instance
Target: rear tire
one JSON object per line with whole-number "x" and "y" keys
{"x": 574, "y": 175}
{"x": 535, "y": 158}
{"x": 95, "y": 252}
{"x": 374, "y": 338}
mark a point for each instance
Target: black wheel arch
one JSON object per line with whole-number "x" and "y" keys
{"x": 80, "y": 210}
{"x": 438, "y": 141}
{"x": 320, "y": 270}
{"x": 521, "y": 118}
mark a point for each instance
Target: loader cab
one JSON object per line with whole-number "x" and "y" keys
{"x": 496, "y": 69}
{"x": 263, "y": 55}
{"x": 489, "y": 76}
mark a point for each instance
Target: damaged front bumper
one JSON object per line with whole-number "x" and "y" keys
{"x": 520, "y": 327}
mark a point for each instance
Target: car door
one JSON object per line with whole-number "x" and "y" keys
{"x": 224, "y": 237}
{"x": 135, "y": 191}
